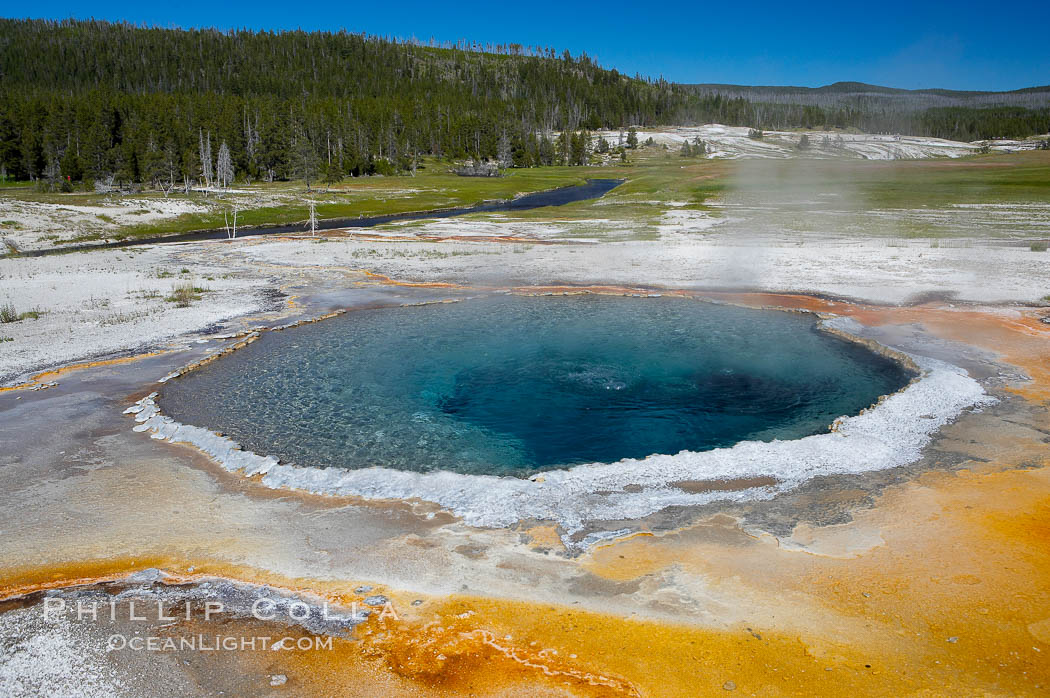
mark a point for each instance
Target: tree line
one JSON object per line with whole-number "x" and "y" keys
{"x": 87, "y": 100}
{"x": 113, "y": 102}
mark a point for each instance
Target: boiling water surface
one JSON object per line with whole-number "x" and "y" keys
{"x": 514, "y": 385}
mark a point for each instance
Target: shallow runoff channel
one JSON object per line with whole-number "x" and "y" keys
{"x": 593, "y": 189}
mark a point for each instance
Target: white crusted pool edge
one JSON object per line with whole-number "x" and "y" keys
{"x": 887, "y": 435}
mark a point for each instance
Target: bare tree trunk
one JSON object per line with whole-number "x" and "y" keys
{"x": 313, "y": 218}
{"x": 231, "y": 232}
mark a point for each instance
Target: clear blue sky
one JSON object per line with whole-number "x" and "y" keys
{"x": 956, "y": 45}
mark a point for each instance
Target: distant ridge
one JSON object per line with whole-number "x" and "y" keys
{"x": 846, "y": 86}
{"x": 864, "y": 94}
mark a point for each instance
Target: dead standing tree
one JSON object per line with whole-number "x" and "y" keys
{"x": 205, "y": 157}
{"x": 231, "y": 232}
{"x": 504, "y": 152}
{"x": 224, "y": 166}
{"x": 312, "y": 220}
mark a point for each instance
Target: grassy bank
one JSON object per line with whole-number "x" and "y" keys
{"x": 286, "y": 203}
{"x": 787, "y": 191}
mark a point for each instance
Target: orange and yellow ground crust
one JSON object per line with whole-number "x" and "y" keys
{"x": 941, "y": 588}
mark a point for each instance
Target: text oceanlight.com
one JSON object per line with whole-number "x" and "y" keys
{"x": 216, "y": 643}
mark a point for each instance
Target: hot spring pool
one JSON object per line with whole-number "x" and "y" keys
{"x": 512, "y": 385}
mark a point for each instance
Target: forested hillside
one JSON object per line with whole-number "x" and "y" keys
{"x": 91, "y": 99}
{"x": 97, "y": 101}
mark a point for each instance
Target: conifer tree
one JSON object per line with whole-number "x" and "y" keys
{"x": 632, "y": 138}
{"x": 70, "y": 165}
{"x": 306, "y": 160}
{"x": 153, "y": 167}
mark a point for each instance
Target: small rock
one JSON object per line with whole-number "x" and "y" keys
{"x": 376, "y": 600}
{"x": 729, "y": 686}
{"x": 278, "y": 680}
{"x": 417, "y": 602}
{"x": 953, "y": 639}
{"x": 364, "y": 589}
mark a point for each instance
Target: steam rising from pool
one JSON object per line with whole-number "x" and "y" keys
{"x": 512, "y": 385}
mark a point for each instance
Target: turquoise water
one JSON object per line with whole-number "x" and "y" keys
{"x": 515, "y": 385}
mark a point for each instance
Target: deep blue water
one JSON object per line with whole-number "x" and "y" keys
{"x": 515, "y": 385}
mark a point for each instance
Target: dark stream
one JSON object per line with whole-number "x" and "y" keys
{"x": 593, "y": 189}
